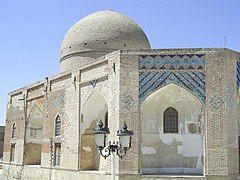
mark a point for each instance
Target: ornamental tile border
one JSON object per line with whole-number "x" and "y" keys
{"x": 184, "y": 70}
{"x": 238, "y": 78}
{"x": 238, "y": 74}
{"x": 172, "y": 62}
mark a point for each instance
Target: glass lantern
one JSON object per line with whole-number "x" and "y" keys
{"x": 100, "y": 135}
{"x": 125, "y": 137}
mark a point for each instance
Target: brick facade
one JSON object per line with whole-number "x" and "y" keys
{"x": 122, "y": 78}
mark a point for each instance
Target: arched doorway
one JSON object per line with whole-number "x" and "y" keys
{"x": 94, "y": 109}
{"x": 172, "y": 132}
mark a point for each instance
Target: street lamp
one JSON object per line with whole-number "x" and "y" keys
{"x": 100, "y": 136}
{"x": 121, "y": 147}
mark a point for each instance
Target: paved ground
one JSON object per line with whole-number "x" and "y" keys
{"x": 2, "y": 178}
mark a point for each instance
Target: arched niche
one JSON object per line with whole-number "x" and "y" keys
{"x": 34, "y": 136}
{"x": 94, "y": 109}
{"x": 180, "y": 152}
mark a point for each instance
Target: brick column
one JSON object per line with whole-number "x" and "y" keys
{"x": 220, "y": 119}
{"x": 129, "y": 111}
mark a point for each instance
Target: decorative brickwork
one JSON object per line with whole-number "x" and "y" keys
{"x": 184, "y": 70}
{"x": 230, "y": 98}
{"x": 216, "y": 101}
{"x": 125, "y": 79}
{"x": 172, "y": 62}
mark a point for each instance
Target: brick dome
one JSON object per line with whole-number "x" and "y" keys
{"x": 98, "y": 34}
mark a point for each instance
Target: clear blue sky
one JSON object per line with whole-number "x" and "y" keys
{"x": 31, "y": 31}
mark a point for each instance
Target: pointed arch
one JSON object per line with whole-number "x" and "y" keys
{"x": 194, "y": 81}
{"x": 177, "y": 86}
{"x": 173, "y": 83}
{"x": 172, "y": 116}
{"x": 14, "y": 128}
{"x": 35, "y": 117}
{"x": 92, "y": 94}
{"x": 95, "y": 108}
{"x": 58, "y": 125}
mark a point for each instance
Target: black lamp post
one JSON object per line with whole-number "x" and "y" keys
{"x": 121, "y": 147}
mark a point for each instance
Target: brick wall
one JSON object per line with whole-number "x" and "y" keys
{"x": 116, "y": 77}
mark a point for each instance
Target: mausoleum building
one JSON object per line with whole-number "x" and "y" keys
{"x": 182, "y": 104}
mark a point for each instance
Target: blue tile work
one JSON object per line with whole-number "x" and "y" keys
{"x": 184, "y": 70}
{"x": 172, "y": 62}
{"x": 216, "y": 102}
{"x": 238, "y": 74}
